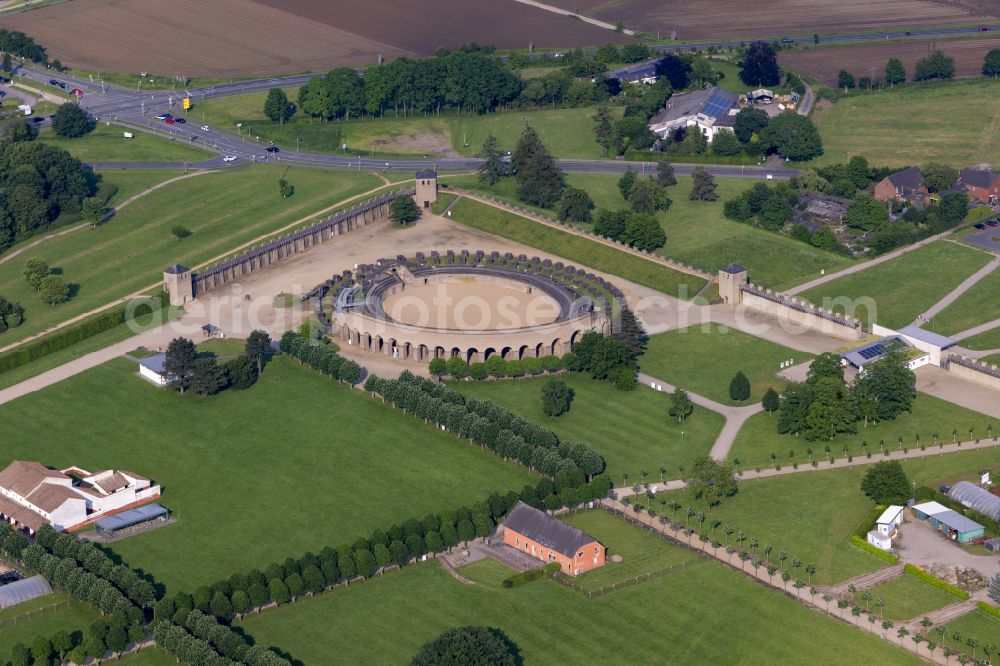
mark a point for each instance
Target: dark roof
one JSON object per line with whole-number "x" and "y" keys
{"x": 176, "y": 269}
{"x": 910, "y": 179}
{"x": 732, "y": 269}
{"x": 719, "y": 103}
{"x": 640, "y": 70}
{"x": 157, "y": 363}
{"x": 210, "y": 328}
{"x": 427, "y": 173}
{"x": 982, "y": 178}
{"x": 546, "y": 530}
{"x": 132, "y": 517}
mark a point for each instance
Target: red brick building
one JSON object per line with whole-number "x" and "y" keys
{"x": 982, "y": 185}
{"x": 906, "y": 185}
{"x": 549, "y": 539}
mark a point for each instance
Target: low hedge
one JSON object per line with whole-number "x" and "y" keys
{"x": 87, "y": 328}
{"x": 936, "y": 582}
{"x": 858, "y": 542}
{"x": 868, "y": 524}
{"x": 988, "y": 609}
{"x": 517, "y": 580}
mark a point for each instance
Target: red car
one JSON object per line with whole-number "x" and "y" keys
{"x": 77, "y": 92}
{"x": 169, "y": 121}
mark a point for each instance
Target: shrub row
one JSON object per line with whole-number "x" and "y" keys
{"x": 73, "y": 334}
{"x": 496, "y": 367}
{"x": 877, "y": 552}
{"x": 989, "y": 609}
{"x": 485, "y": 423}
{"x": 519, "y": 579}
{"x": 936, "y": 582}
{"x": 321, "y": 357}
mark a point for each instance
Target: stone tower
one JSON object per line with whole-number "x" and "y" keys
{"x": 731, "y": 281}
{"x": 178, "y": 284}
{"x": 427, "y": 188}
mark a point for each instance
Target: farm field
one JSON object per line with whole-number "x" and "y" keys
{"x": 698, "y": 234}
{"x": 895, "y": 292}
{"x": 108, "y": 144}
{"x": 128, "y": 253}
{"x": 915, "y": 115}
{"x": 646, "y": 440}
{"x": 216, "y": 457}
{"x": 75, "y": 617}
{"x": 758, "y": 438}
{"x": 238, "y": 38}
{"x": 703, "y": 360}
{"x": 811, "y": 515}
{"x": 978, "y": 305}
{"x": 727, "y": 18}
{"x": 575, "y": 248}
{"x": 907, "y": 598}
{"x": 662, "y": 611}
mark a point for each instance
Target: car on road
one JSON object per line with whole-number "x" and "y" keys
{"x": 57, "y": 83}
{"x": 787, "y": 40}
{"x": 980, "y": 226}
{"x": 163, "y": 116}
{"x": 77, "y": 91}
{"x": 204, "y": 128}
{"x": 168, "y": 120}
{"x": 271, "y": 149}
{"x": 4, "y": 79}
{"x": 2, "y": 93}
{"x": 180, "y": 120}
{"x": 229, "y": 158}
{"x": 984, "y": 28}
{"x": 992, "y": 223}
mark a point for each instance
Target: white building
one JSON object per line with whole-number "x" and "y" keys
{"x": 870, "y": 352}
{"x": 885, "y": 527}
{"x": 711, "y": 110}
{"x": 32, "y": 494}
{"x": 153, "y": 369}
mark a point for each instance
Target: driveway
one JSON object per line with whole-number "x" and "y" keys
{"x": 922, "y": 545}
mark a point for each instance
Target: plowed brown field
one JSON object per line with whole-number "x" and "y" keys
{"x": 231, "y": 38}
{"x": 701, "y": 19}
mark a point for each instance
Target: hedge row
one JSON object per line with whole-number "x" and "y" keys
{"x": 485, "y": 423}
{"x": 519, "y": 579}
{"x": 877, "y": 552}
{"x": 321, "y": 357}
{"x": 989, "y": 609}
{"x": 936, "y": 582}
{"x": 71, "y": 335}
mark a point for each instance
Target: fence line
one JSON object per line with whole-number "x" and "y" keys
{"x": 28, "y": 615}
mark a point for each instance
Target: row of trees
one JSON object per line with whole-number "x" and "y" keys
{"x": 496, "y": 367}
{"x": 65, "y": 574}
{"x": 320, "y": 356}
{"x": 49, "y": 284}
{"x": 21, "y": 45}
{"x": 487, "y": 424}
{"x": 115, "y": 635}
{"x": 187, "y": 648}
{"x": 639, "y": 230}
{"x": 229, "y": 643}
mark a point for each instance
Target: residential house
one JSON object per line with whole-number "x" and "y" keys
{"x": 549, "y": 539}
{"x": 906, "y": 185}
{"x": 710, "y": 110}
{"x": 981, "y": 184}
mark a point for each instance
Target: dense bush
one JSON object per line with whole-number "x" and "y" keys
{"x": 19, "y": 44}
{"x": 468, "y": 646}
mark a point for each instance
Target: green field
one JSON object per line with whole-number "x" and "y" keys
{"x": 978, "y": 624}
{"x": 907, "y": 598}
{"x": 76, "y": 617}
{"x": 698, "y": 234}
{"x": 758, "y": 439}
{"x": 632, "y": 429}
{"x": 678, "y": 617}
{"x": 108, "y": 144}
{"x": 980, "y": 304}
{"x": 895, "y": 292}
{"x": 292, "y": 464}
{"x": 915, "y": 124}
{"x": 134, "y": 181}
{"x": 985, "y": 341}
{"x": 575, "y": 248}
{"x": 128, "y": 253}
{"x": 703, "y": 359}
{"x": 566, "y": 132}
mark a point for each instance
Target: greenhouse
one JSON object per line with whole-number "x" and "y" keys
{"x": 973, "y": 497}
{"x": 23, "y": 590}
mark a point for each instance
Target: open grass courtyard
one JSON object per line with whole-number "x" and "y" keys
{"x": 107, "y": 143}
{"x": 895, "y": 292}
{"x": 295, "y": 463}
{"x": 21, "y": 623}
{"x": 907, "y": 598}
{"x": 677, "y": 617}
{"x": 631, "y": 429}
{"x": 704, "y": 359}
{"x": 978, "y": 624}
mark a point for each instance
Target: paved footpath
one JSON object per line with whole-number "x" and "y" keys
{"x": 966, "y": 284}
{"x": 976, "y": 330}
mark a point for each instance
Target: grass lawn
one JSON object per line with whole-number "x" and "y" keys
{"x": 907, "y": 598}
{"x": 988, "y": 340}
{"x": 133, "y": 181}
{"x": 128, "y": 253}
{"x": 108, "y": 144}
{"x": 486, "y": 572}
{"x": 978, "y": 624}
{"x": 978, "y": 305}
{"x": 994, "y": 359}
{"x": 758, "y": 439}
{"x": 895, "y": 292}
{"x": 918, "y": 116}
{"x": 646, "y": 440}
{"x": 698, "y": 234}
{"x": 642, "y": 552}
{"x": 566, "y": 132}
{"x": 676, "y": 614}
{"x": 222, "y": 347}
{"x": 76, "y": 617}
{"x": 680, "y": 358}
{"x": 305, "y": 443}
{"x": 148, "y": 657}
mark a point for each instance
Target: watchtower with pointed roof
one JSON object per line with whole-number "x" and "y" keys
{"x": 178, "y": 284}
{"x": 731, "y": 280}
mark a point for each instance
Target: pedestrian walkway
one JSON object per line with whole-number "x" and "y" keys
{"x": 867, "y": 580}
{"x": 941, "y": 615}
{"x": 966, "y": 284}
{"x": 976, "y": 330}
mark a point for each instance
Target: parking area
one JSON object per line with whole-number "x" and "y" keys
{"x": 987, "y": 237}
{"x": 921, "y": 544}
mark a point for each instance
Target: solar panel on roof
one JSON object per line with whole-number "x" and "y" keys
{"x": 874, "y": 351}
{"x": 718, "y": 104}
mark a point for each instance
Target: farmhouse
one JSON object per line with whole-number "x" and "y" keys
{"x": 549, "y": 539}
{"x": 981, "y": 184}
{"x": 885, "y": 527}
{"x": 709, "y": 110}
{"x": 640, "y": 72}
{"x": 906, "y": 185}
{"x": 953, "y": 524}
{"x": 32, "y": 494}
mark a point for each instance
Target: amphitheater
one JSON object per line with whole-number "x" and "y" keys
{"x": 466, "y": 305}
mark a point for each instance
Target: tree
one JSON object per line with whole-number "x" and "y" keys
{"x": 404, "y": 210}
{"x": 824, "y": 239}
{"x": 241, "y": 372}
{"x": 894, "y": 71}
{"x": 575, "y": 205}
{"x": 285, "y": 189}
{"x": 630, "y": 332}
{"x": 665, "y": 173}
{"x": 209, "y": 377}
{"x": 62, "y": 643}
{"x": 180, "y": 232}
{"x": 865, "y": 212}
{"x": 711, "y": 480}
{"x": 830, "y": 412}
{"x": 35, "y": 270}
{"x": 792, "y": 136}
{"x": 7, "y": 65}
{"x": 771, "y": 401}
{"x": 53, "y": 289}
{"x": 826, "y": 365}
{"x": 726, "y": 143}
{"x": 680, "y": 405}
{"x": 41, "y": 650}
{"x": 939, "y": 176}
{"x": 15, "y": 130}
{"x": 887, "y": 387}
{"x": 634, "y": 52}
{"x": 11, "y": 314}
{"x": 439, "y": 367}
{"x": 886, "y": 483}
{"x": 492, "y": 169}
{"x": 704, "y": 185}
{"x": 467, "y": 646}
{"x": 20, "y": 655}
{"x": 71, "y": 121}
{"x": 117, "y": 639}
{"x": 953, "y": 208}
{"x": 539, "y": 181}
{"x": 556, "y": 397}
{"x": 759, "y": 66}
{"x": 935, "y": 66}
{"x": 845, "y": 79}
{"x": 647, "y": 197}
{"x": 179, "y": 361}
{"x": 276, "y": 106}
{"x": 991, "y": 63}
{"x": 626, "y": 183}
{"x": 257, "y": 348}
{"x": 604, "y": 131}
{"x": 749, "y": 121}
{"x": 94, "y": 210}
{"x": 739, "y": 387}
{"x": 643, "y": 232}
